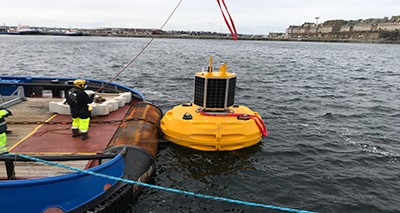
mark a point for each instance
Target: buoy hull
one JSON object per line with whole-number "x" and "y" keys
{"x": 210, "y": 133}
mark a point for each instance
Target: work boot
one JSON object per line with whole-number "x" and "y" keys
{"x": 84, "y": 135}
{"x": 75, "y": 133}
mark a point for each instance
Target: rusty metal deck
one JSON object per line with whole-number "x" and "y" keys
{"x": 56, "y": 138}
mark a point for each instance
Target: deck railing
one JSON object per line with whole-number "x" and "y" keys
{"x": 16, "y": 97}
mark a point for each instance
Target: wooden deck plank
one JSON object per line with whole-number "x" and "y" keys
{"x": 35, "y": 169}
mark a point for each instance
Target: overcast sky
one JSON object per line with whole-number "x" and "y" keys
{"x": 250, "y": 16}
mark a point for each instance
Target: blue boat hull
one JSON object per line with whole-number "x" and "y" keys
{"x": 78, "y": 191}
{"x": 65, "y": 192}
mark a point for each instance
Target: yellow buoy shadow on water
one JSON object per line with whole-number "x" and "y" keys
{"x": 213, "y": 122}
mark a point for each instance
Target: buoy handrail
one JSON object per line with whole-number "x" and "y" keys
{"x": 240, "y": 202}
{"x": 259, "y": 122}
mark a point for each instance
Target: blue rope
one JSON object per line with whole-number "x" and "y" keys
{"x": 163, "y": 188}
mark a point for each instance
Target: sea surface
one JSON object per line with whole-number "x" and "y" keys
{"x": 331, "y": 109}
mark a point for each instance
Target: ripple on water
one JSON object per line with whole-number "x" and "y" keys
{"x": 330, "y": 108}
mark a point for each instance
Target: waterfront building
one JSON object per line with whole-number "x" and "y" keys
{"x": 389, "y": 26}
{"x": 346, "y": 28}
{"x": 362, "y": 27}
{"x": 330, "y": 26}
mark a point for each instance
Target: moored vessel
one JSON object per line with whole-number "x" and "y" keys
{"x": 123, "y": 143}
{"x": 73, "y": 32}
{"x": 23, "y": 30}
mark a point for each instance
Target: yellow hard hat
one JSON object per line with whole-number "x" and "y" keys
{"x": 80, "y": 83}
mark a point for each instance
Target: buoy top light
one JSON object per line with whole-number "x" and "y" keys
{"x": 221, "y": 73}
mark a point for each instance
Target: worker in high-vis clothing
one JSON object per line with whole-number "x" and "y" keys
{"x": 3, "y": 128}
{"x": 78, "y": 101}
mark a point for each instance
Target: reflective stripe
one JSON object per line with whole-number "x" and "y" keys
{"x": 3, "y": 123}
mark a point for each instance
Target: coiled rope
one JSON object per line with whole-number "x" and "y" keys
{"x": 240, "y": 202}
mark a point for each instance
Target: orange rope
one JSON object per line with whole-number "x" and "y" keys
{"x": 259, "y": 122}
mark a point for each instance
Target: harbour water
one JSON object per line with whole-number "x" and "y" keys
{"x": 331, "y": 109}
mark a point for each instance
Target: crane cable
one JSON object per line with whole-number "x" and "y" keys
{"x": 231, "y": 24}
{"x": 141, "y": 51}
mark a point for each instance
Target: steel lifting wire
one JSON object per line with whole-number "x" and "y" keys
{"x": 141, "y": 51}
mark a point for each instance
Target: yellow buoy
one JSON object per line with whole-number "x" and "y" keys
{"x": 213, "y": 122}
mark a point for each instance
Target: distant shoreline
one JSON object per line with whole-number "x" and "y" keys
{"x": 287, "y": 39}
{"x": 149, "y": 33}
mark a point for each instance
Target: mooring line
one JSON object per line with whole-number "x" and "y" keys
{"x": 210, "y": 197}
{"x": 142, "y": 50}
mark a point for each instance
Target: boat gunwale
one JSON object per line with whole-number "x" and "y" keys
{"x": 70, "y": 79}
{"x": 59, "y": 178}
